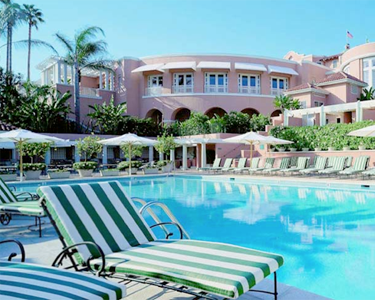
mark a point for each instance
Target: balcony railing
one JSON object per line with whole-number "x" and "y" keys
{"x": 86, "y": 91}
{"x": 249, "y": 90}
{"x": 182, "y": 89}
{"x": 216, "y": 89}
{"x": 153, "y": 91}
{"x": 277, "y": 92}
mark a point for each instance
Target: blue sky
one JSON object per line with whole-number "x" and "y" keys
{"x": 254, "y": 27}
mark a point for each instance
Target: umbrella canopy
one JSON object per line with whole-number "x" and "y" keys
{"x": 128, "y": 139}
{"x": 276, "y": 141}
{"x": 21, "y": 136}
{"x": 368, "y": 131}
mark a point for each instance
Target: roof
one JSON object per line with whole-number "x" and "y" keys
{"x": 339, "y": 76}
{"x": 213, "y": 65}
{"x": 304, "y": 86}
{"x": 145, "y": 68}
{"x": 180, "y": 65}
{"x": 249, "y": 67}
{"x": 331, "y": 57}
{"x": 282, "y": 70}
{"x": 6, "y": 127}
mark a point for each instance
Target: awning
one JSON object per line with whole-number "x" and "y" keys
{"x": 7, "y": 145}
{"x": 250, "y": 67}
{"x": 282, "y": 70}
{"x": 180, "y": 65}
{"x": 213, "y": 65}
{"x": 155, "y": 67}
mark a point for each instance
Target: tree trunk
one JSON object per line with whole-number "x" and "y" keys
{"x": 10, "y": 48}
{"x": 8, "y": 44}
{"x": 29, "y": 54}
{"x": 77, "y": 107}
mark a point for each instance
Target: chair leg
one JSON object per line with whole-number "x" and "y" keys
{"x": 275, "y": 285}
{"x": 40, "y": 227}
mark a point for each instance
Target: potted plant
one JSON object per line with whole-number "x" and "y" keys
{"x": 124, "y": 166}
{"x": 109, "y": 172}
{"x": 165, "y": 145}
{"x": 85, "y": 168}
{"x": 151, "y": 170}
{"x": 165, "y": 165}
{"x": 292, "y": 149}
{"x": 361, "y": 146}
{"x": 32, "y": 171}
{"x": 280, "y": 148}
{"x": 346, "y": 148}
{"x": 58, "y": 174}
{"x": 331, "y": 148}
{"x": 88, "y": 147}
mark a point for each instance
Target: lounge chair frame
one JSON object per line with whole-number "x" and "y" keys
{"x": 69, "y": 251}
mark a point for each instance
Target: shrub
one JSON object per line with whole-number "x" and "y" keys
{"x": 87, "y": 165}
{"x": 125, "y": 165}
{"x": 58, "y": 171}
{"x": 163, "y": 163}
{"x": 34, "y": 167}
{"x": 89, "y": 146}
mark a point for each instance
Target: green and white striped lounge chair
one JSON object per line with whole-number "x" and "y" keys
{"x": 312, "y": 165}
{"x": 102, "y": 213}
{"x": 24, "y": 204}
{"x": 20, "y": 280}
{"x": 302, "y": 163}
{"x": 349, "y": 160}
{"x": 293, "y": 161}
{"x": 226, "y": 167}
{"x": 284, "y": 164}
{"x": 360, "y": 165}
{"x": 268, "y": 164}
{"x": 321, "y": 163}
{"x": 241, "y": 165}
{"x": 215, "y": 165}
{"x": 338, "y": 165}
{"x": 369, "y": 172}
{"x": 254, "y": 164}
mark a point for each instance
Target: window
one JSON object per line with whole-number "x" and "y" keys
{"x": 338, "y": 120}
{"x": 58, "y": 153}
{"x": 216, "y": 83}
{"x": 369, "y": 71}
{"x": 154, "y": 85}
{"x": 354, "y": 89}
{"x": 318, "y": 103}
{"x": 119, "y": 82}
{"x": 334, "y": 64}
{"x": 248, "y": 84}
{"x": 183, "y": 83}
{"x": 278, "y": 85}
{"x": 347, "y": 69}
{"x": 303, "y": 104}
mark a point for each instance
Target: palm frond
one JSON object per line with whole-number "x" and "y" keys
{"x": 87, "y": 33}
{"x": 34, "y": 43}
{"x": 99, "y": 65}
{"x": 65, "y": 42}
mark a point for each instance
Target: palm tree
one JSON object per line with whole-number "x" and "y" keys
{"x": 10, "y": 16}
{"x": 286, "y": 102}
{"x": 84, "y": 52}
{"x": 367, "y": 94}
{"x": 33, "y": 17}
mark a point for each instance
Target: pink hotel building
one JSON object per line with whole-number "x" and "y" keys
{"x": 169, "y": 87}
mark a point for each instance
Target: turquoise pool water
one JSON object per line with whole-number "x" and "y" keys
{"x": 326, "y": 235}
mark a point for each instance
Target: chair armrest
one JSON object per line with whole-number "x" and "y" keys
{"x": 170, "y": 234}
{"x": 19, "y": 244}
{"x": 67, "y": 251}
{"x": 31, "y": 196}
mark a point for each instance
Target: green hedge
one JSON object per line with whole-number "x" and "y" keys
{"x": 34, "y": 167}
{"x": 331, "y": 135}
{"x": 88, "y": 165}
{"x": 125, "y": 165}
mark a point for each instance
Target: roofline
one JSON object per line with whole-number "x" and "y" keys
{"x": 345, "y": 80}
{"x": 315, "y": 64}
{"x": 307, "y": 90}
{"x": 366, "y": 55}
{"x": 221, "y": 54}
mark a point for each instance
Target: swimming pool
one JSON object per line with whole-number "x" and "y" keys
{"x": 326, "y": 235}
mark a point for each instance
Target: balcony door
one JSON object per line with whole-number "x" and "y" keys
{"x": 183, "y": 83}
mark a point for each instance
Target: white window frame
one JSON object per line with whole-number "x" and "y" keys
{"x": 370, "y": 69}
{"x": 335, "y": 63}
{"x": 318, "y": 103}
{"x": 303, "y": 104}
{"x": 215, "y": 88}
{"x": 249, "y": 89}
{"x": 182, "y": 88}
{"x": 154, "y": 90}
{"x": 277, "y": 91}
{"x": 347, "y": 69}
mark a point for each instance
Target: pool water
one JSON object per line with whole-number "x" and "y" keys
{"x": 326, "y": 235}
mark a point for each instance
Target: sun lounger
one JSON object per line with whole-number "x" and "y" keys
{"x": 293, "y": 161}
{"x": 338, "y": 165}
{"x": 321, "y": 163}
{"x": 368, "y": 172}
{"x": 24, "y": 204}
{"x": 284, "y": 164}
{"x": 302, "y": 163}
{"x": 226, "y": 167}
{"x": 360, "y": 165}
{"x": 19, "y": 280}
{"x": 102, "y": 213}
{"x": 215, "y": 165}
{"x": 241, "y": 165}
{"x": 253, "y": 164}
{"x": 267, "y": 165}
{"x": 349, "y": 160}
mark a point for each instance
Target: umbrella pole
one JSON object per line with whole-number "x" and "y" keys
{"x": 21, "y": 161}
{"x": 130, "y": 159}
{"x": 251, "y": 152}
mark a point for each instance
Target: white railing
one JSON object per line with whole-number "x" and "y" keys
{"x": 249, "y": 89}
{"x": 216, "y": 89}
{"x": 277, "y": 92}
{"x": 86, "y": 91}
{"x": 182, "y": 89}
{"x": 153, "y": 91}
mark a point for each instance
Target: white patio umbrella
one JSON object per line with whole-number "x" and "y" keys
{"x": 128, "y": 139}
{"x": 21, "y": 136}
{"x": 368, "y": 131}
{"x": 271, "y": 140}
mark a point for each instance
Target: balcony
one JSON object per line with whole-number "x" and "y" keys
{"x": 277, "y": 92}
{"x": 249, "y": 90}
{"x": 182, "y": 89}
{"x": 91, "y": 92}
{"x": 153, "y": 91}
{"x": 216, "y": 89}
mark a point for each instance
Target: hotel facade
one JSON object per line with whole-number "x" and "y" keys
{"x": 169, "y": 87}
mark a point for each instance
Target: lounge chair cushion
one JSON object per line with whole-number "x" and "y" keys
{"x": 6, "y": 195}
{"x": 29, "y": 208}
{"x": 221, "y": 269}
{"x": 28, "y": 281}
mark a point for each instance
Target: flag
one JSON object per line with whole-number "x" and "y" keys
{"x": 349, "y": 35}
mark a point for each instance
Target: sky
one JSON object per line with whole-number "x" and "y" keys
{"x": 154, "y": 27}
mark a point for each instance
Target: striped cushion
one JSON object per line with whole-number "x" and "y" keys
{"x": 241, "y": 163}
{"x": 27, "y": 281}
{"x": 228, "y": 163}
{"x": 302, "y": 162}
{"x": 217, "y": 268}
{"x": 321, "y": 163}
{"x": 97, "y": 212}
{"x": 216, "y": 163}
{"x": 29, "y": 208}
{"x": 360, "y": 163}
{"x": 6, "y": 194}
{"x": 254, "y": 163}
{"x": 269, "y": 163}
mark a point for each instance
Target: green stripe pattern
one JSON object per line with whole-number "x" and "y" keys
{"x": 228, "y": 163}
{"x": 27, "y": 281}
{"x": 360, "y": 164}
{"x": 221, "y": 269}
{"x": 6, "y": 195}
{"x": 320, "y": 164}
{"x": 26, "y": 208}
{"x": 284, "y": 164}
{"x": 338, "y": 165}
{"x": 254, "y": 163}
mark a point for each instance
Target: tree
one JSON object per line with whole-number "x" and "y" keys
{"x": 135, "y": 150}
{"x": 237, "y": 122}
{"x": 165, "y": 144}
{"x": 196, "y": 124}
{"x": 259, "y": 122}
{"x": 89, "y": 146}
{"x": 286, "y": 102}
{"x": 35, "y": 150}
{"x": 84, "y": 52}
{"x": 108, "y": 118}
{"x": 367, "y": 94}
{"x": 217, "y": 124}
{"x": 33, "y": 17}
{"x": 10, "y": 16}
